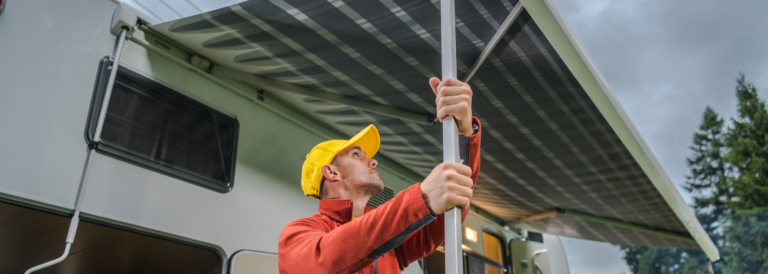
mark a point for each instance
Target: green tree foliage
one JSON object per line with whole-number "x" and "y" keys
{"x": 730, "y": 188}
{"x": 708, "y": 181}
{"x": 643, "y": 259}
{"x": 656, "y": 260}
{"x": 746, "y": 237}
{"x": 748, "y": 143}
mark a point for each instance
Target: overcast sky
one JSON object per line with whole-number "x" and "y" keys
{"x": 666, "y": 61}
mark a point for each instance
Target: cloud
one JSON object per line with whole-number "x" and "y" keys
{"x": 667, "y": 60}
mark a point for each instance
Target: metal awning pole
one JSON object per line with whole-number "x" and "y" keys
{"x": 453, "y": 259}
{"x": 494, "y": 40}
{"x": 75, "y": 220}
{"x": 110, "y": 85}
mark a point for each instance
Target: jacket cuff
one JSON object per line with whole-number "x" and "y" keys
{"x": 421, "y": 209}
{"x": 476, "y": 127}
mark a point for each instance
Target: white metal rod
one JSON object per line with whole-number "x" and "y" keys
{"x": 453, "y": 258}
{"x": 52, "y": 262}
{"x": 73, "y": 223}
{"x": 494, "y": 40}
{"x": 110, "y": 85}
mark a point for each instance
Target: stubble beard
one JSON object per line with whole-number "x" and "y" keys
{"x": 371, "y": 187}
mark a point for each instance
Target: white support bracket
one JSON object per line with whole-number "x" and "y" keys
{"x": 126, "y": 17}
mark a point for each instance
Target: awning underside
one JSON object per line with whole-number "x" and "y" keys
{"x": 545, "y": 144}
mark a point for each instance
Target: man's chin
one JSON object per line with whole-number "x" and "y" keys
{"x": 372, "y": 187}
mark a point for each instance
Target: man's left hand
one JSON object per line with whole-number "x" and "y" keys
{"x": 454, "y": 97}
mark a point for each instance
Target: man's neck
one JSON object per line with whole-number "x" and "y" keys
{"x": 358, "y": 200}
{"x": 358, "y": 206}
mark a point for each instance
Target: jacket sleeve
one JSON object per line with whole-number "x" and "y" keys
{"x": 306, "y": 246}
{"x": 424, "y": 241}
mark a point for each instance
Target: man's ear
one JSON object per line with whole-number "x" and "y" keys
{"x": 331, "y": 173}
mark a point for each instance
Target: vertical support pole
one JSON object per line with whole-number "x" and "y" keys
{"x": 75, "y": 220}
{"x": 110, "y": 85}
{"x": 453, "y": 258}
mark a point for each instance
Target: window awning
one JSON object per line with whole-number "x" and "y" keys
{"x": 555, "y": 139}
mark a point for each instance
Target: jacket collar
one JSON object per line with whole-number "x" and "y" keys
{"x": 339, "y": 210}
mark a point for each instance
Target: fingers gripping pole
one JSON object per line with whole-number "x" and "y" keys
{"x": 453, "y": 258}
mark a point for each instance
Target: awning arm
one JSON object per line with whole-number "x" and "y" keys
{"x": 280, "y": 86}
{"x": 603, "y": 220}
{"x": 494, "y": 40}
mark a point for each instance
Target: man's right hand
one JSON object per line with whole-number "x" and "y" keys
{"x": 446, "y": 187}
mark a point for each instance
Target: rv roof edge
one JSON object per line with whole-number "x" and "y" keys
{"x": 280, "y": 86}
{"x": 556, "y": 29}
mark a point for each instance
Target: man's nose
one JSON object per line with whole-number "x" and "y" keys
{"x": 372, "y": 163}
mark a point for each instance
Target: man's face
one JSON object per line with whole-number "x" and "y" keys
{"x": 358, "y": 171}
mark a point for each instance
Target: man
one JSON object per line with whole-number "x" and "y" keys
{"x": 350, "y": 237}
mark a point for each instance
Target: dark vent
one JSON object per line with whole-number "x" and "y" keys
{"x": 155, "y": 127}
{"x": 387, "y": 194}
{"x": 535, "y": 237}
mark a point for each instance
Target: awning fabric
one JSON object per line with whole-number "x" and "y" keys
{"x": 545, "y": 144}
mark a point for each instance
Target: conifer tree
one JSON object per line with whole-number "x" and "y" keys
{"x": 746, "y": 235}
{"x": 708, "y": 181}
{"x": 748, "y": 143}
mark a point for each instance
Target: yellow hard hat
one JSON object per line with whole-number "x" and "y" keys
{"x": 323, "y": 153}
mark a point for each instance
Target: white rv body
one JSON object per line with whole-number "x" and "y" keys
{"x": 49, "y": 54}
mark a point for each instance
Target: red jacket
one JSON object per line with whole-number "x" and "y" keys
{"x": 384, "y": 240}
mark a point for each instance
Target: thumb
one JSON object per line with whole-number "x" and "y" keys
{"x": 433, "y": 83}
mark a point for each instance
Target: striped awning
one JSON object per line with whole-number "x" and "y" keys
{"x": 554, "y": 137}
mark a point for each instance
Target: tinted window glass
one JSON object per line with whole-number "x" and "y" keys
{"x": 156, "y": 127}
{"x": 492, "y": 249}
{"x": 30, "y": 237}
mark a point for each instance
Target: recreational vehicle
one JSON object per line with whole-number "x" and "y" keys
{"x": 163, "y": 136}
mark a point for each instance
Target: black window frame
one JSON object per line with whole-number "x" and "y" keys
{"x": 125, "y": 73}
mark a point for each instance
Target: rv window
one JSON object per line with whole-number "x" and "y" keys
{"x": 153, "y": 126}
{"x": 30, "y": 237}
{"x": 492, "y": 249}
